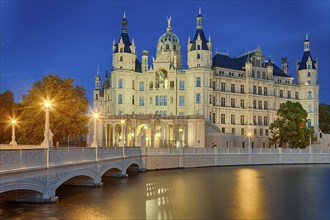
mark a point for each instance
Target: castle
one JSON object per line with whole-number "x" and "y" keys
{"x": 218, "y": 100}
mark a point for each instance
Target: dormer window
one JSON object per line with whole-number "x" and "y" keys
{"x": 198, "y": 56}
{"x": 167, "y": 47}
{"x": 121, "y": 50}
{"x": 198, "y": 47}
{"x": 121, "y": 58}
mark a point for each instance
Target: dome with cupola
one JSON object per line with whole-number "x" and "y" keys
{"x": 168, "y": 41}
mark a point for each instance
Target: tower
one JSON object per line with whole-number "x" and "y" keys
{"x": 97, "y": 91}
{"x": 285, "y": 65}
{"x": 307, "y": 74}
{"x": 199, "y": 49}
{"x": 124, "y": 56}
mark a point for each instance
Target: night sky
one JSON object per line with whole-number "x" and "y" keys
{"x": 71, "y": 38}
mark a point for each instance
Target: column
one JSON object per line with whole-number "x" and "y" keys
{"x": 113, "y": 135}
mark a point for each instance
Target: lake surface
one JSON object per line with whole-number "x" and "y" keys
{"x": 256, "y": 192}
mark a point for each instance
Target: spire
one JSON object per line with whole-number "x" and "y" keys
{"x": 124, "y": 24}
{"x": 199, "y": 19}
{"x": 306, "y": 44}
{"x": 169, "y": 28}
{"x": 98, "y": 70}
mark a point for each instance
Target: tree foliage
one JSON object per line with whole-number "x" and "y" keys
{"x": 8, "y": 110}
{"x": 68, "y": 114}
{"x": 324, "y": 117}
{"x": 289, "y": 129}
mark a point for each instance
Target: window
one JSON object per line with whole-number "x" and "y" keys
{"x": 210, "y": 99}
{"x": 254, "y": 104}
{"x": 309, "y": 66}
{"x": 255, "y": 134}
{"x": 141, "y": 101}
{"x": 242, "y": 103}
{"x": 260, "y": 132}
{"x": 181, "y": 84}
{"x": 121, "y": 50}
{"x": 120, "y": 99}
{"x": 259, "y": 104}
{"x": 167, "y": 47}
{"x": 309, "y": 123}
{"x": 172, "y": 85}
{"x": 296, "y": 95}
{"x": 232, "y": 88}
{"x": 223, "y": 87}
{"x": 223, "y": 130}
{"x": 232, "y": 119}
{"x": 213, "y": 117}
{"x": 214, "y": 102}
{"x": 133, "y": 84}
{"x": 151, "y": 84}
{"x": 309, "y": 108}
{"x": 96, "y": 96}
{"x": 165, "y": 100}
{"x": 259, "y": 120}
{"x": 223, "y": 102}
{"x": 242, "y": 131}
{"x": 233, "y": 130}
{"x": 150, "y": 100}
{"x": 133, "y": 100}
{"x": 161, "y": 100}
{"x": 254, "y": 120}
{"x": 255, "y": 90}
{"x": 121, "y": 58}
{"x": 267, "y": 132}
{"x": 232, "y": 103}
{"x": 157, "y": 100}
{"x": 265, "y": 105}
{"x": 309, "y": 95}
{"x": 265, "y": 120}
{"x": 120, "y": 83}
{"x": 281, "y": 93}
{"x": 309, "y": 82}
{"x": 259, "y": 90}
{"x": 263, "y": 75}
{"x": 141, "y": 86}
{"x": 198, "y": 112}
{"x": 198, "y": 98}
{"x": 258, "y": 74}
{"x": 214, "y": 85}
{"x": 198, "y": 47}
{"x": 198, "y": 56}
{"x": 223, "y": 119}
{"x": 289, "y": 94}
{"x": 309, "y": 74}
{"x": 198, "y": 82}
{"x": 265, "y": 91}
{"x": 181, "y": 100}
{"x": 242, "y": 89}
{"x": 242, "y": 120}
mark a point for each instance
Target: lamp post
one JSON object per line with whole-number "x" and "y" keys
{"x": 13, "y": 142}
{"x": 46, "y": 142}
{"x": 249, "y": 135}
{"x": 94, "y": 144}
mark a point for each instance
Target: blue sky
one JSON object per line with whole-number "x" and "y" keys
{"x": 70, "y": 38}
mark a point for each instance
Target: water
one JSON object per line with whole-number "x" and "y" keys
{"x": 259, "y": 192}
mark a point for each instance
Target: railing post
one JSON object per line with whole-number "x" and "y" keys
{"x": 280, "y": 152}
{"x": 310, "y": 155}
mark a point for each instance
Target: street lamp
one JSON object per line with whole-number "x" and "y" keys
{"x": 249, "y": 135}
{"x": 13, "y": 123}
{"x": 95, "y": 116}
{"x": 47, "y": 142}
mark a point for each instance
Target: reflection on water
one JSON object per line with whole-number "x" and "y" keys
{"x": 250, "y": 194}
{"x": 261, "y": 192}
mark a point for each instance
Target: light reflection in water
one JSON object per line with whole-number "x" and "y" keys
{"x": 249, "y": 195}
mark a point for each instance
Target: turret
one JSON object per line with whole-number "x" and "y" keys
{"x": 248, "y": 66}
{"x": 285, "y": 65}
{"x": 97, "y": 79}
{"x": 199, "y": 49}
{"x": 97, "y": 99}
{"x": 124, "y": 52}
{"x": 270, "y": 67}
{"x": 307, "y": 68}
{"x": 144, "y": 61}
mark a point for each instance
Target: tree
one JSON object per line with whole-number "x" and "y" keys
{"x": 7, "y": 112}
{"x": 289, "y": 129}
{"x": 324, "y": 117}
{"x": 68, "y": 113}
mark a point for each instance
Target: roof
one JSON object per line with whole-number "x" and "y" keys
{"x": 279, "y": 72}
{"x": 126, "y": 42}
{"x": 204, "y": 41}
{"x": 138, "y": 66}
{"x": 302, "y": 64}
{"x": 222, "y": 60}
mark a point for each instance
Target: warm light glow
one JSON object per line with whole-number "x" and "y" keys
{"x": 95, "y": 115}
{"x": 180, "y": 130}
{"x": 122, "y": 121}
{"x": 146, "y": 127}
{"x": 158, "y": 134}
{"x": 13, "y": 121}
{"x": 132, "y": 134}
{"x": 47, "y": 103}
{"x": 249, "y": 134}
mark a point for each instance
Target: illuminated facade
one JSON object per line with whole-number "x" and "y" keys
{"x": 216, "y": 101}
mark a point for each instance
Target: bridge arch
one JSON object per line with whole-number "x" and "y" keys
{"x": 90, "y": 174}
{"x": 135, "y": 164}
{"x": 25, "y": 184}
{"x": 112, "y": 167}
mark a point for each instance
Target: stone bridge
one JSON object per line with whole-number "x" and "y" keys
{"x": 34, "y": 174}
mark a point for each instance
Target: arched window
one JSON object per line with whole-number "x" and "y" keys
{"x": 167, "y": 47}
{"x": 263, "y": 75}
{"x": 253, "y": 73}
{"x": 120, "y": 83}
{"x": 151, "y": 84}
{"x": 258, "y": 75}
